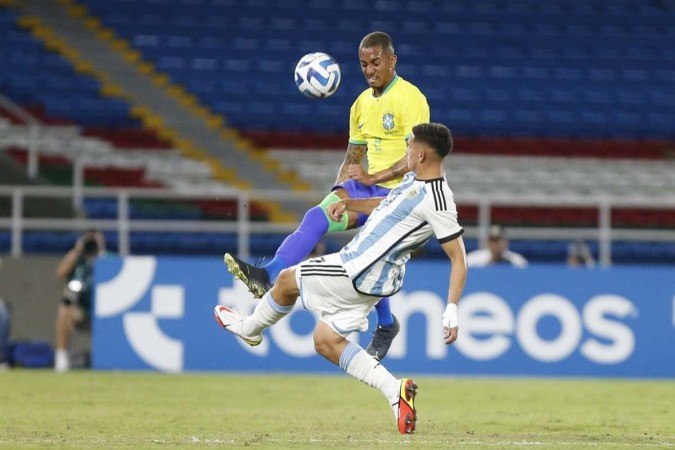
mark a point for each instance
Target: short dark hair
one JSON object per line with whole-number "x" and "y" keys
{"x": 496, "y": 232}
{"x": 378, "y": 39}
{"x": 436, "y": 136}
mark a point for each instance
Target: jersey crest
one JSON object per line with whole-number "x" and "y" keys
{"x": 388, "y": 121}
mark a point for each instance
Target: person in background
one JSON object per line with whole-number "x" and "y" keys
{"x": 76, "y": 269}
{"x": 496, "y": 251}
{"x": 4, "y": 335}
{"x": 4, "y": 332}
{"x": 579, "y": 254}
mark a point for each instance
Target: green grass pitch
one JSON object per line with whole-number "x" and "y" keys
{"x": 88, "y": 409}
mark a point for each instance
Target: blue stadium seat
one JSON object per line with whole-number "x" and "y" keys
{"x": 596, "y": 53}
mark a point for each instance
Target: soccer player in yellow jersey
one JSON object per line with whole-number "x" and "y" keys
{"x": 380, "y": 121}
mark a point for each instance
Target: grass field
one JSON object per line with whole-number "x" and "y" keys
{"x": 83, "y": 409}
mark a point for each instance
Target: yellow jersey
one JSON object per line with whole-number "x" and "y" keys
{"x": 384, "y": 123}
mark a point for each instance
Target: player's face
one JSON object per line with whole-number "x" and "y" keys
{"x": 378, "y": 66}
{"x": 497, "y": 245}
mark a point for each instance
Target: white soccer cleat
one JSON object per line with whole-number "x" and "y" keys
{"x": 231, "y": 321}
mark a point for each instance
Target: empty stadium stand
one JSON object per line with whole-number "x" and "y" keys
{"x": 597, "y": 69}
{"x": 558, "y": 98}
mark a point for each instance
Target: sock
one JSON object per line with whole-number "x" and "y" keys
{"x": 61, "y": 360}
{"x": 356, "y": 362}
{"x": 300, "y": 243}
{"x": 383, "y": 310}
{"x": 266, "y": 313}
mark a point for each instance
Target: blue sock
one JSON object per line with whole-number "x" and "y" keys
{"x": 298, "y": 245}
{"x": 384, "y": 316}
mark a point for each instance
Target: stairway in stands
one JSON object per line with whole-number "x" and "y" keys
{"x": 194, "y": 130}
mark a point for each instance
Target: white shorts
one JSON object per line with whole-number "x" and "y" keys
{"x": 325, "y": 287}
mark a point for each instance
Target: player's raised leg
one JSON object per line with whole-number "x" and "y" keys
{"x": 275, "y": 305}
{"x": 299, "y": 244}
{"x": 295, "y": 248}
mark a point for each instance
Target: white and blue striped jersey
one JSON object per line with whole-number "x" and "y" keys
{"x": 412, "y": 212}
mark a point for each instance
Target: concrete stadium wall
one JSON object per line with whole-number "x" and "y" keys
{"x": 32, "y": 289}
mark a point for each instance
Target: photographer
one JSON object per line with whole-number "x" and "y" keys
{"x": 76, "y": 268}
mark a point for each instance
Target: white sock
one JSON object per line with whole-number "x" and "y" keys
{"x": 356, "y": 362}
{"x": 266, "y": 313}
{"x": 61, "y": 360}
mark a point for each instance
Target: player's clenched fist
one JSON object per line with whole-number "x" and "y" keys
{"x": 336, "y": 210}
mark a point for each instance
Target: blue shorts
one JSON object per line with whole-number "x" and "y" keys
{"x": 356, "y": 189}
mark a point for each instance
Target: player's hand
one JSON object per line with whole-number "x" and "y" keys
{"x": 336, "y": 210}
{"x": 356, "y": 173}
{"x": 450, "y": 334}
{"x": 450, "y": 323}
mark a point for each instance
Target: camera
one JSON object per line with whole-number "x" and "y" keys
{"x": 73, "y": 292}
{"x": 90, "y": 247}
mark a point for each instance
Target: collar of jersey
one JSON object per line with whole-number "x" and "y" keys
{"x": 393, "y": 82}
{"x": 430, "y": 180}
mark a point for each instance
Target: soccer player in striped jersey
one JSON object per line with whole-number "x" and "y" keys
{"x": 380, "y": 121}
{"x": 343, "y": 287}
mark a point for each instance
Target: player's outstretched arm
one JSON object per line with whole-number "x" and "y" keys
{"x": 457, "y": 254}
{"x": 357, "y": 205}
{"x": 397, "y": 170}
{"x": 354, "y": 156}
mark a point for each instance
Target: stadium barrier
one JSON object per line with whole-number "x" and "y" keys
{"x": 157, "y": 314}
{"x": 123, "y": 225}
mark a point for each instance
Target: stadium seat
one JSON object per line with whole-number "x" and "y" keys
{"x": 595, "y": 51}
{"x": 554, "y": 78}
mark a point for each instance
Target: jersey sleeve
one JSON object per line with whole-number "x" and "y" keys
{"x": 356, "y": 136}
{"x": 416, "y": 112}
{"x": 441, "y": 214}
{"x": 445, "y": 226}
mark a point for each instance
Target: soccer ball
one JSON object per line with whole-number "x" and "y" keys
{"x": 317, "y": 75}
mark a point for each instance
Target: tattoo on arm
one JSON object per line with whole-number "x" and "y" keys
{"x": 355, "y": 154}
{"x": 395, "y": 171}
{"x": 399, "y": 168}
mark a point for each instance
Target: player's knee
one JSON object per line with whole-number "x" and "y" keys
{"x": 322, "y": 346}
{"x": 327, "y": 343}
{"x": 333, "y": 226}
{"x": 285, "y": 290}
{"x": 286, "y": 278}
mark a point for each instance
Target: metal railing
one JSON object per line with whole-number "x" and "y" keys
{"x": 124, "y": 224}
{"x": 243, "y": 227}
{"x": 34, "y": 127}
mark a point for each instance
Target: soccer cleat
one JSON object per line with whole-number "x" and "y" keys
{"x": 255, "y": 278}
{"x": 407, "y": 415}
{"x": 382, "y": 339}
{"x": 230, "y": 320}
